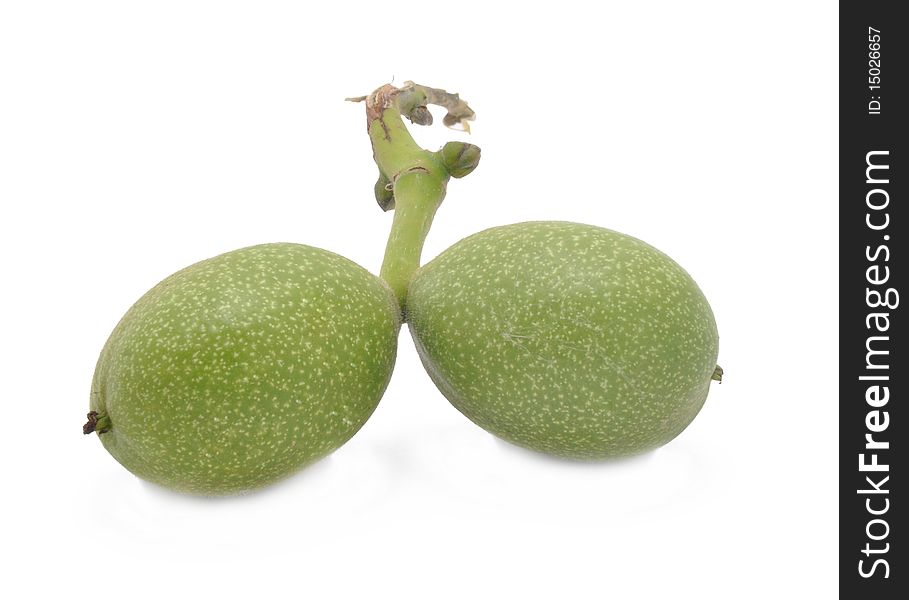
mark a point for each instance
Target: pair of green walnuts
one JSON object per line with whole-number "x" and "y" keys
{"x": 564, "y": 338}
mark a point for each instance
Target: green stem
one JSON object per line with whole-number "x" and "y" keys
{"x": 417, "y": 197}
{"x": 412, "y": 181}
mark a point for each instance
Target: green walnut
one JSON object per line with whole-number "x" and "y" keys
{"x": 239, "y": 370}
{"x": 564, "y": 338}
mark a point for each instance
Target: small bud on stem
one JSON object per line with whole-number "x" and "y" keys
{"x": 460, "y": 158}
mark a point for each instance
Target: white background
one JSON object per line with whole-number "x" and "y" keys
{"x": 137, "y": 138}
